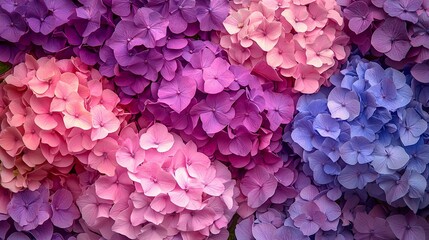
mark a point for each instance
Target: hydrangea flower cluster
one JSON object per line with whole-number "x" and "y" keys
{"x": 321, "y": 214}
{"x": 230, "y": 114}
{"x": 176, "y": 119}
{"x": 54, "y": 112}
{"x": 300, "y": 42}
{"x": 81, "y": 28}
{"x": 162, "y": 73}
{"x": 309, "y": 210}
{"x": 238, "y": 120}
{"x": 48, "y": 212}
{"x": 369, "y": 131}
{"x": 396, "y": 29}
{"x": 378, "y": 221}
{"x": 164, "y": 188}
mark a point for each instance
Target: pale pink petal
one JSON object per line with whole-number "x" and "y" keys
{"x": 157, "y": 136}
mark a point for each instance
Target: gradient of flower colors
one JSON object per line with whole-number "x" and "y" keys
{"x": 163, "y": 119}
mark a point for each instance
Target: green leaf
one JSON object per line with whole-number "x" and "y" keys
{"x": 232, "y": 226}
{"x": 4, "y": 67}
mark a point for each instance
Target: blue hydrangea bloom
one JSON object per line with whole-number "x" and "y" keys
{"x": 368, "y": 131}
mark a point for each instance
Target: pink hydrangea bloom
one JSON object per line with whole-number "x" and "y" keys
{"x": 162, "y": 188}
{"x": 291, "y": 37}
{"x": 59, "y": 111}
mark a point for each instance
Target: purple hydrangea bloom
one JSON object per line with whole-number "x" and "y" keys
{"x": 124, "y": 8}
{"x": 393, "y": 28}
{"x": 356, "y": 176}
{"x": 324, "y": 169}
{"x": 29, "y": 209}
{"x": 326, "y": 126}
{"x": 420, "y": 34}
{"x": 359, "y": 16}
{"x": 13, "y": 26}
{"x": 387, "y": 159}
{"x": 408, "y": 226}
{"x": 64, "y": 211}
{"x": 357, "y": 150}
{"x": 411, "y": 127}
{"x": 403, "y": 9}
{"x": 182, "y": 12}
{"x": 419, "y": 157}
{"x": 343, "y": 104}
{"x": 391, "y": 38}
{"x": 211, "y": 14}
{"x": 152, "y": 26}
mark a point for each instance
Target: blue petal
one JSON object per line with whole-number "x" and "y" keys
{"x": 348, "y": 154}
{"x": 374, "y": 74}
{"x": 305, "y": 100}
{"x": 303, "y": 135}
{"x": 417, "y": 183}
{"x": 330, "y": 148}
{"x": 326, "y": 126}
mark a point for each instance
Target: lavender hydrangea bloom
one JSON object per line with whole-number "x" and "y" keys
{"x": 29, "y": 209}
{"x": 419, "y": 157}
{"x": 387, "y": 159}
{"x": 403, "y": 9}
{"x": 326, "y": 126}
{"x": 408, "y": 226}
{"x": 13, "y": 26}
{"x": 356, "y": 176}
{"x": 391, "y": 38}
{"x": 64, "y": 211}
{"x": 357, "y": 150}
{"x": 391, "y": 91}
{"x": 359, "y": 16}
{"x": 420, "y": 35}
{"x": 343, "y": 104}
{"x": 303, "y": 134}
{"x": 411, "y": 127}
{"x": 324, "y": 170}
{"x": 267, "y": 224}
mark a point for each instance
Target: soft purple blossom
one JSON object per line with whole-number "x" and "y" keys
{"x": 356, "y": 176}
{"x": 181, "y": 12}
{"x": 391, "y": 38}
{"x": 420, "y": 35}
{"x": 13, "y": 26}
{"x": 64, "y": 211}
{"x": 359, "y": 15}
{"x": 29, "y": 209}
{"x": 152, "y": 27}
{"x": 403, "y": 9}
{"x": 211, "y": 13}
